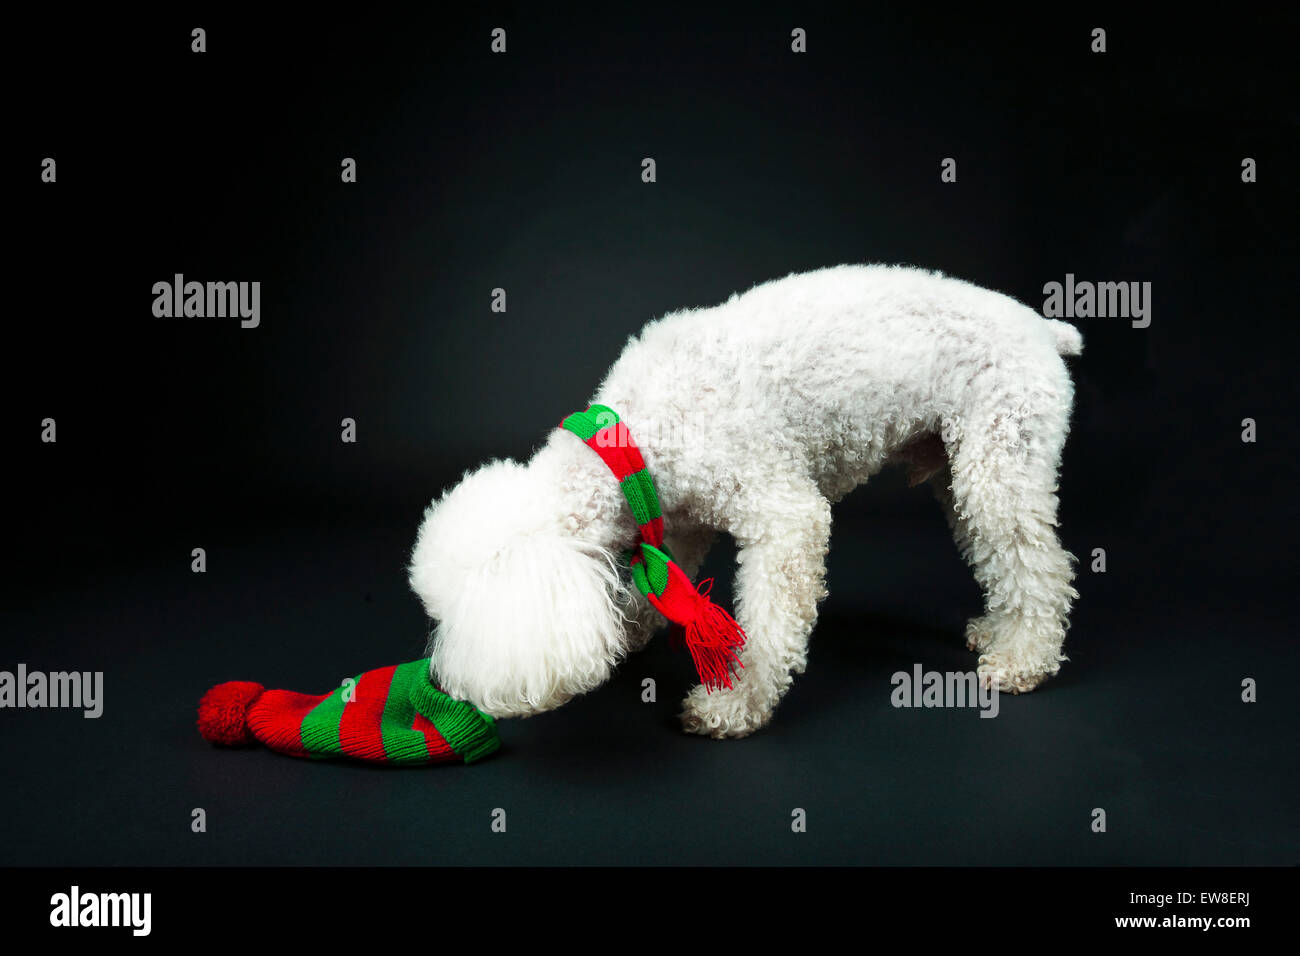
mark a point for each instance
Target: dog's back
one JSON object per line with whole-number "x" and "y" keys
{"x": 851, "y": 363}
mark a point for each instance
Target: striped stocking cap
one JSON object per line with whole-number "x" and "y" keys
{"x": 392, "y": 715}
{"x": 709, "y": 633}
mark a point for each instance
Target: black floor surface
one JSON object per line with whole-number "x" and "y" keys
{"x": 1145, "y": 722}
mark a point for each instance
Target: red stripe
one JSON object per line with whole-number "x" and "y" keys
{"x": 276, "y": 719}
{"x": 629, "y": 449}
{"x": 612, "y": 445}
{"x": 652, "y": 531}
{"x": 360, "y": 728}
{"x": 438, "y": 748}
{"x": 611, "y": 455}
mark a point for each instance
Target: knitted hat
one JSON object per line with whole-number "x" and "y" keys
{"x": 392, "y": 715}
{"x": 710, "y": 634}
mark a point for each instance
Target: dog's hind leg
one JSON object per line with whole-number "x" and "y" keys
{"x": 1003, "y": 510}
{"x": 783, "y": 535}
{"x": 977, "y": 629}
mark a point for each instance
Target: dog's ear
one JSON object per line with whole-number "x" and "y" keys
{"x": 526, "y": 627}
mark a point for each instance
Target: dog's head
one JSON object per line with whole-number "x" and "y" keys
{"x": 527, "y": 615}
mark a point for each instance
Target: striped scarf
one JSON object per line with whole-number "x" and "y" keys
{"x": 710, "y": 634}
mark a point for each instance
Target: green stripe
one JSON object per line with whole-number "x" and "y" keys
{"x": 648, "y": 493}
{"x": 581, "y": 424}
{"x": 650, "y": 574}
{"x": 656, "y": 568}
{"x": 402, "y": 743}
{"x": 639, "y": 578}
{"x": 603, "y": 416}
{"x": 320, "y": 725}
{"x": 468, "y": 731}
{"x": 657, "y": 573}
{"x": 586, "y": 424}
{"x": 634, "y": 491}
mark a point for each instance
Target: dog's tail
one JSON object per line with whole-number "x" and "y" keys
{"x": 1069, "y": 340}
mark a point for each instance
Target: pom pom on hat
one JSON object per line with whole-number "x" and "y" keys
{"x": 223, "y": 712}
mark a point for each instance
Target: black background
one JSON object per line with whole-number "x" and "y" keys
{"x": 523, "y": 171}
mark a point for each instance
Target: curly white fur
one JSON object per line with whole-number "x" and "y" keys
{"x": 753, "y": 417}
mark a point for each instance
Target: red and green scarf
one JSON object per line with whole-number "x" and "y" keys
{"x": 710, "y": 634}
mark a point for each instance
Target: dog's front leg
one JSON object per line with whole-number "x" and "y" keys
{"x": 780, "y": 578}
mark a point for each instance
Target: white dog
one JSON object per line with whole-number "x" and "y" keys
{"x": 753, "y": 417}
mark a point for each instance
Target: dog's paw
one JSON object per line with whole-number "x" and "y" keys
{"x": 979, "y": 634}
{"x": 1011, "y": 678}
{"x": 721, "y": 715}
